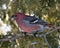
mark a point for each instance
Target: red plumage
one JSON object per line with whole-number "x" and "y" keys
{"x": 25, "y": 25}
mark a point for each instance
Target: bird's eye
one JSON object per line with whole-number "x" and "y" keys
{"x": 15, "y": 15}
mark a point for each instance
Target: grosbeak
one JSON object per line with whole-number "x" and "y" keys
{"x": 30, "y": 24}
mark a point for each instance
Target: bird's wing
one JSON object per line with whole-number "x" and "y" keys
{"x": 34, "y": 20}
{"x": 31, "y": 18}
{"x": 42, "y": 22}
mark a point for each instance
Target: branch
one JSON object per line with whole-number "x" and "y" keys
{"x": 52, "y": 30}
{"x": 13, "y": 37}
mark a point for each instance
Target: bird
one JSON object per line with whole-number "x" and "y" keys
{"x": 29, "y": 24}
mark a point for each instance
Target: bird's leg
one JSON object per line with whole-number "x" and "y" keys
{"x": 35, "y": 33}
{"x": 30, "y": 34}
{"x": 25, "y": 33}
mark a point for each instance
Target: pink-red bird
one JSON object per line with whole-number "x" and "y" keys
{"x": 30, "y": 24}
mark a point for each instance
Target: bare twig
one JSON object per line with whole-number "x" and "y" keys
{"x": 14, "y": 37}
{"x": 53, "y": 30}
{"x": 20, "y": 35}
{"x": 46, "y": 41}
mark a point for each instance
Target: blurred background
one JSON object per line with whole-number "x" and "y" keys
{"x": 48, "y": 10}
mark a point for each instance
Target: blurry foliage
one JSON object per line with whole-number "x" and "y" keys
{"x": 39, "y": 8}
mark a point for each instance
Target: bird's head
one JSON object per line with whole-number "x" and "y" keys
{"x": 17, "y": 16}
